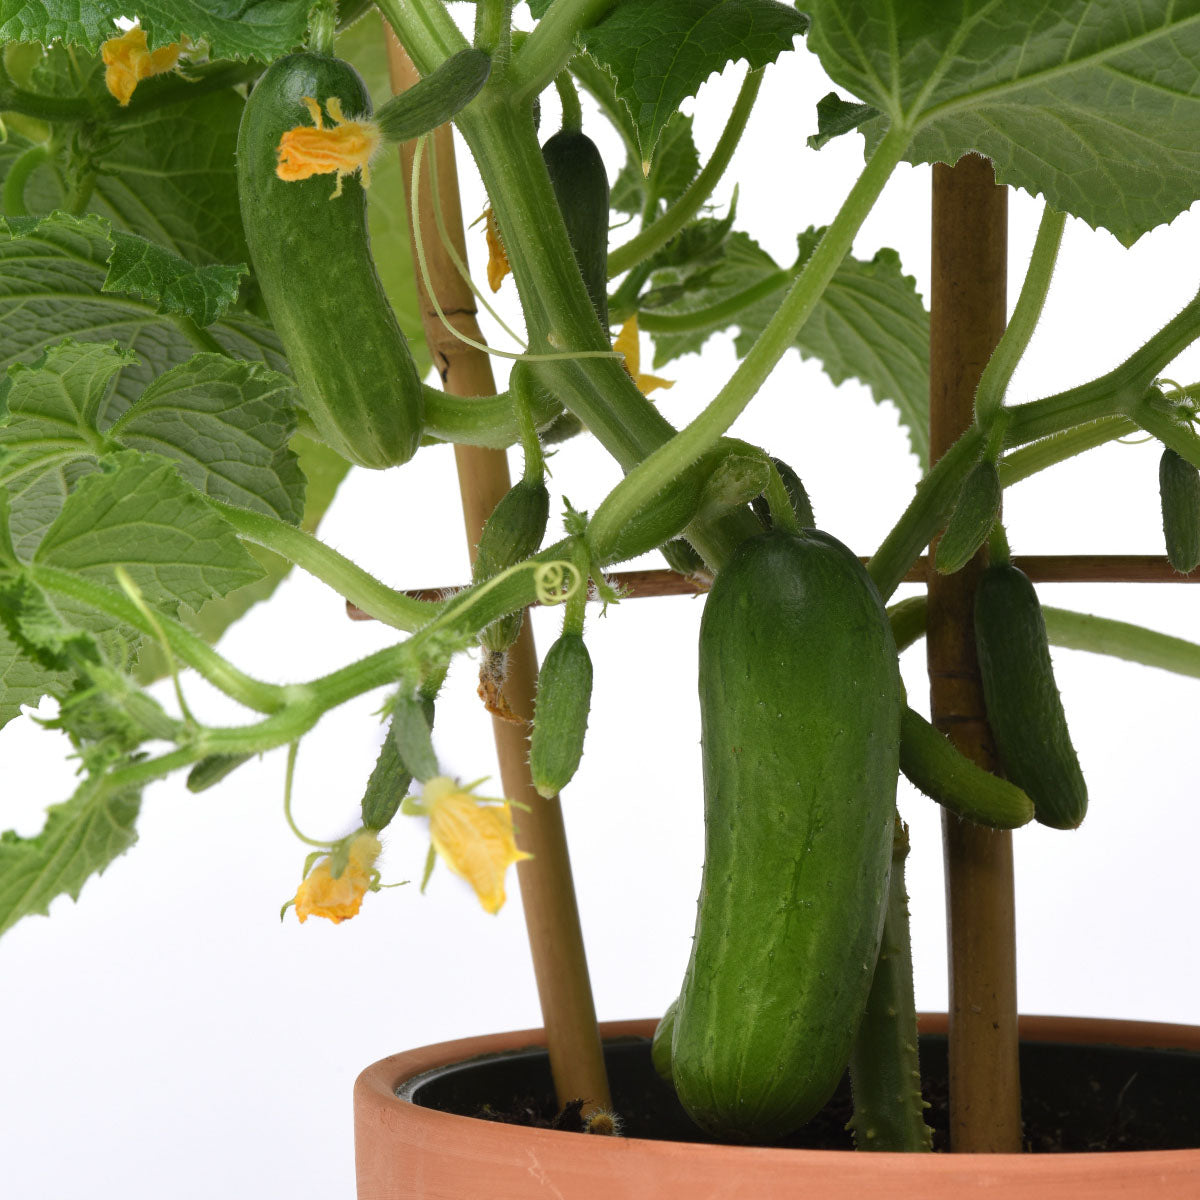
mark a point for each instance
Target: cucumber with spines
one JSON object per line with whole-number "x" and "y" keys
{"x": 1179, "y": 491}
{"x": 561, "y": 706}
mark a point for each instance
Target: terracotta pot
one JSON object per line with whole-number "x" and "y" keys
{"x": 408, "y": 1152}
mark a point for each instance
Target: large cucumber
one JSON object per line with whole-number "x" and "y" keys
{"x": 313, "y": 262}
{"x": 1024, "y": 708}
{"x": 800, "y": 702}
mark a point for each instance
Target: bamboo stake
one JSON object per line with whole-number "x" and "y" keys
{"x": 547, "y": 891}
{"x": 968, "y": 316}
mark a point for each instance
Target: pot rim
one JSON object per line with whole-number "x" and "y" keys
{"x": 1173, "y": 1173}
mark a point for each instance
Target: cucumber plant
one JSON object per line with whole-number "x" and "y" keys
{"x": 202, "y": 332}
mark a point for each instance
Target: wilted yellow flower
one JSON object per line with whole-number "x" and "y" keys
{"x": 127, "y": 62}
{"x": 339, "y": 898}
{"x": 497, "y": 266}
{"x": 472, "y": 834}
{"x": 344, "y": 147}
{"x": 627, "y": 345}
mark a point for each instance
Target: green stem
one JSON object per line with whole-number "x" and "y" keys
{"x": 482, "y": 420}
{"x": 324, "y": 563}
{"x": 198, "y": 335}
{"x": 524, "y": 395}
{"x": 167, "y": 90}
{"x": 53, "y": 109}
{"x": 12, "y": 198}
{"x": 907, "y": 619}
{"x": 718, "y": 315}
{"x": 639, "y": 487}
{"x": 1118, "y": 391}
{"x": 927, "y": 512}
{"x": 885, "y": 1075}
{"x": 551, "y": 43}
{"x": 568, "y": 98}
{"x": 783, "y": 515}
{"x": 657, "y": 235}
{"x": 425, "y": 29}
{"x": 599, "y": 85}
{"x": 493, "y": 19}
{"x": 993, "y": 383}
{"x": 322, "y": 28}
{"x": 1179, "y": 437}
{"x": 1037, "y": 456}
{"x": 187, "y": 646}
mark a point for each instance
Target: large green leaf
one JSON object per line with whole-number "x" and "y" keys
{"x": 232, "y": 28}
{"x": 660, "y": 53}
{"x": 1094, "y": 104}
{"x": 53, "y": 273}
{"x": 24, "y": 681}
{"x": 870, "y": 324}
{"x": 80, "y": 838}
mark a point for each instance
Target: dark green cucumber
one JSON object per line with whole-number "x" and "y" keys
{"x": 660, "y": 1044}
{"x": 312, "y": 260}
{"x": 564, "y": 697}
{"x": 580, "y": 183}
{"x": 972, "y": 520}
{"x": 931, "y": 762}
{"x": 436, "y": 98}
{"x": 1179, "y": 490}
{"x": 800, "y": 701}
{"x": 208, "y": 772}
{"x": 511, "y": 534}
{"x": 1024, "y": 708}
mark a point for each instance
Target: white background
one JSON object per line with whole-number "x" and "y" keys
{"x": 170, "y": 1020}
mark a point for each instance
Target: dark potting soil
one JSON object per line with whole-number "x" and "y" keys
{"x": 1074, "y": 1098}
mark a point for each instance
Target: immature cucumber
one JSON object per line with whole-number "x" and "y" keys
{"x": 800, "y": 715}
{"x": 432, "y": 101}
{"x": 1024, "y": 708}
{"x": 313, "y": 262}
{"x": 511, "y": 534}
{"x": 564, "y": 697}
{"x": 972, "y": 520}
{"x": 1179, "y": 490}
{"x": 931, "y": 762}
{"x": 580, "y": 184}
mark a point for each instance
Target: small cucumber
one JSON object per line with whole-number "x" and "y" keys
{"x": 1024, "y": 708}
{"x": 564, "y": 697}
{"x": 660, "y": 1045}
{"x": 1179, "y": 490}
{"x": 580, "y": 183}
{"x": 511, "y": 534}
{"x": 312, "y": 261}
{"x": 438, "y": 97}
{"x": 931, "y": 762}
{"x": 208, "y": 772}
{"x": 800, "y": 701}
{"x": 972, "y": 520}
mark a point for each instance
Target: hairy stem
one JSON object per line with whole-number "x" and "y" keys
{"x": 548, "y": 48}
{"x": 1037, "y": 456}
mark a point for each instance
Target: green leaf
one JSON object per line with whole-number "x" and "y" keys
{"x": 52, "y": 274}
{"x": 1094, "y": 105}
{"x": 660, "y": 53}
{"x": 870, "y": 324}
{"x": 232, "y": 28}
{"x": 80, "y": 838}
{"x": 227, "y": 425}
{"x": 24, "y": 681}
{"x": 836, "y": 116}
{"x": 675, "y": 164}
{"x": 140, "y": 268}
{"x": 138, "y": 514}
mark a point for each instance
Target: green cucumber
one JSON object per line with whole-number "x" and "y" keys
{"x": 972, "y": 520}
{"x": 1179, "y": 490}
{"x": 564, "y": 697}
{"x": 580, "y": 183}
{"x": 932, "y": 763}
{"x": 312, "y": 260}
{"x": 437, "y": 98}
{"x": 513, "y": 533}
{"x": 800, "y": 700}
{"x": 1024, "y": 708}
{"x": 660, "y": 1045}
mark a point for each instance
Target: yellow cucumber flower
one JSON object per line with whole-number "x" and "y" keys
{"x": 322, "y": 894}
{"x": 497, "y": 265}
{"x": 127, "y": 62}
{"x": 344, "y": 147}
{"x": 472, "y": 834}
{"x": 626, "y": 344}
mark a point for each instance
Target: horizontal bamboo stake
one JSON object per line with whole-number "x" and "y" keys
{"x": 1041, "y": 568}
